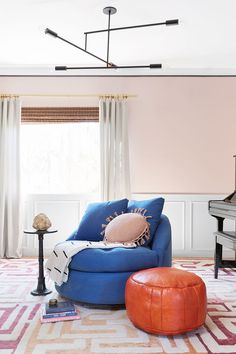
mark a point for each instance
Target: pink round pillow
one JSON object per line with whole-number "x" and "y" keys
{"x": 126, "y": 228}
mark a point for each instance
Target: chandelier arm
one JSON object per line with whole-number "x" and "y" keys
{"x": 85, "y": 42}
{"x": 150, "y": 66}
{"x": 54, "y": 34}
{"x": 83, "y": 50}
{"x": 167, "y": 23}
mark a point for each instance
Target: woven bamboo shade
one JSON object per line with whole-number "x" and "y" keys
{"x": 59, "y": 114}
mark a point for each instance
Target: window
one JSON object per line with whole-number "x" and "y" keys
{"x": 60, "y": 157}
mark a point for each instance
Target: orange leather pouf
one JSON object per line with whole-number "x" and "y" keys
{"x": 166, "y": 300}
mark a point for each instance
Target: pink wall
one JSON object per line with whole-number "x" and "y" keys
{"x": 181, "y": 129}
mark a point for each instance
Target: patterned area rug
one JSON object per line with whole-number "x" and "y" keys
{"x": 108, "y": 330}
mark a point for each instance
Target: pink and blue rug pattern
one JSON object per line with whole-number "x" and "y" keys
{"x": 108, "y": 330}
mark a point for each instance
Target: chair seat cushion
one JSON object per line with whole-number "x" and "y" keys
{"x": 114, "y": 260}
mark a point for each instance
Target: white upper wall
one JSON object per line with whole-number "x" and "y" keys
{"x": 181, "y": 129}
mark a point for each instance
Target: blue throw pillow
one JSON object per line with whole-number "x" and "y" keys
{"x": 154, "y": 209}
{"x": 96, "y": 215}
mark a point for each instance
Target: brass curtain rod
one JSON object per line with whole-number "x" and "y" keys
{"x": 101, "y": 95}
{"x": 6, "y": 95}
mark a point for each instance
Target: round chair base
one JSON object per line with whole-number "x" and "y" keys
{"x": 166, "y": 301}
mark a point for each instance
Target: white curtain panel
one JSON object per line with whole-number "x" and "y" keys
{"x": 10, "y": 230}
{"x": 114, "y": 156}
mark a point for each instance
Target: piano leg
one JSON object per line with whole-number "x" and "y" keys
{"x": 218, "y": 257}
{"x": 220, "y": 223}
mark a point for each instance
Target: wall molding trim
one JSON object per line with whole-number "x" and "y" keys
{"x": 192, "y": 226}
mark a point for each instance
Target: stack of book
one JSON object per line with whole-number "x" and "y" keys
{"x": 63, "y": 311}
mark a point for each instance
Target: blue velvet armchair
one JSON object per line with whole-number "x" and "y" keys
{"x": 98, "y": 276}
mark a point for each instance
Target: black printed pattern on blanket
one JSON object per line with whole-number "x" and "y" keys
{"x": 58, "y": 262}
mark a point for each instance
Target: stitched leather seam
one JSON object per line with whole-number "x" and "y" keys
{"x": 150, "y": 311}
{"x": 166, "y": 287}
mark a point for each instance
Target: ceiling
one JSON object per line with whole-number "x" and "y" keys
{"x": 202, "y": 44}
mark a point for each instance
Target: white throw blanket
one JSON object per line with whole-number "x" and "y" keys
{"x": 58, "y": 262}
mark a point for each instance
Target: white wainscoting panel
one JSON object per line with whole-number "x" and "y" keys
{"x": 64, "y": 216}
{"x": 202, "y": 225}
{"x": 192, "y": 226}
{"x": 64, "y": 211}
{"x": 175, "y": 210}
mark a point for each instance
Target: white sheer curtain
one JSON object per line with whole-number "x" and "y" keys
{"x": 115, "y": 173}
{"x": 10, "y": 230}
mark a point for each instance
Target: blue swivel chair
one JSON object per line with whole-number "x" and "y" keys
{"x": 98, "y": 276}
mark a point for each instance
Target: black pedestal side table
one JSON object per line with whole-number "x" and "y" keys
{"x": 41, "y": 289}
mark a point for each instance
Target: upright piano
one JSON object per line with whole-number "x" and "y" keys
{"x": 221, "y": 210}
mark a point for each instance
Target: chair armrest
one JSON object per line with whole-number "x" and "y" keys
{"x": 162, "y": 242}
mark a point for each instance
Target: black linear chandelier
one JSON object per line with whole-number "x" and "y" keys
{"x": 109, "y": 10}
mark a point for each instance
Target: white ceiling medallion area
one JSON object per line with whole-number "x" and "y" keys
{"x": 202, "y": 44}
